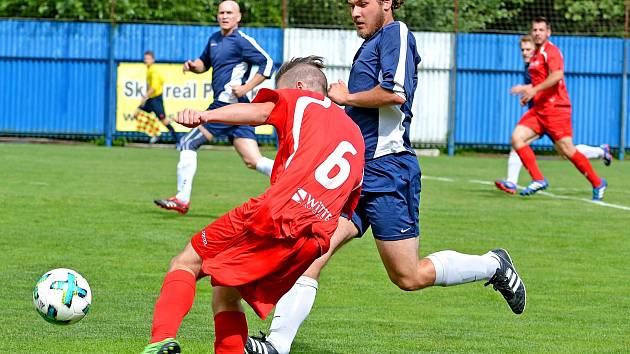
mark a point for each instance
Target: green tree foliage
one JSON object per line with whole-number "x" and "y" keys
{"x": 567, "y": 16}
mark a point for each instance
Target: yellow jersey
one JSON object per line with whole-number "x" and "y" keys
{"x": 155, "y": 81}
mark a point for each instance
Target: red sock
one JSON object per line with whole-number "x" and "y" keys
{"x": 230, "y": 328}
{"x": 176, "y": 299}
{"x": 584, "y": 165}
{"x": 529, "y": 161}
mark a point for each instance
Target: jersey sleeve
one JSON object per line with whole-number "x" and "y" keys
{"x": 254, "y": 54}
{"x": 205, "y": 55}
{"x": 393, "y": 52}
{"x": 555, "y": 61}
{"x": 278, "y": 116}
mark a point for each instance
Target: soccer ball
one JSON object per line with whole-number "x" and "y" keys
{"x": 62, "y": 296}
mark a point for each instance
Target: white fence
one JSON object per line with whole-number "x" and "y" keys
{"x": 431, "y": 102}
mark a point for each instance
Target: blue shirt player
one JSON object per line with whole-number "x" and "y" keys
{"x": 231, "y": 54}
{"x": 379, "y": 97}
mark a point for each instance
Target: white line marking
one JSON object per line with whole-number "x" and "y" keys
{"x": 481, "y": 182}
{"x": 604, "y": 204}
{"x": 443, "y": 179}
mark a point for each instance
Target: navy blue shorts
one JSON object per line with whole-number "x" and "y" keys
{"x": 390, "y": 198}
{"x": 195, "y": 138}
{"x": 154, "y": 105}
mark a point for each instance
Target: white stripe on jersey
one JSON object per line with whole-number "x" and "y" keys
{"x": 399, "y": 76}
{"x": 269, "y": 65}
{"x": 300, "y": 108}
{"x": 238, "y": 72}
{"x": 390, "y": 119}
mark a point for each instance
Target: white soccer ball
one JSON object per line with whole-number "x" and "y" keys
{"x": 62, "y": 296}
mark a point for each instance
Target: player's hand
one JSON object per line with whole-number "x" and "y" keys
{"x": 527, "y": 95}
{"x": 239, "y": 90}
{"x": 189, "y": 65}
{"x": 189, "y": 118}
{"x": 338, "y": 93}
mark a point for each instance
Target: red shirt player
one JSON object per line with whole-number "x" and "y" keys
{"x": 551, "y": 114}
{"x": 257, "y": 251}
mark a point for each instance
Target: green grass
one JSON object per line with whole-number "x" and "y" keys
{"x": 90, "y": 209}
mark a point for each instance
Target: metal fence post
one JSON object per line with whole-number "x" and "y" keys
{"x": 450, "y": 139}
{"x": 624, "y": 88}
{"x": 110, "y": 88}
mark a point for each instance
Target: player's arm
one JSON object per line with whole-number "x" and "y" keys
{"x": 374, "y": 98}
{"x": 551, "y": 80}
{"x": 234, "y": 114}
{"x": 242, "y": 90}
{"x": 254, "y": 54}
{"x": 201, "y": 64}
{"x": 555, "y": 64}
{"x": 197, "y": 66}
{"x": 520, "y": 89}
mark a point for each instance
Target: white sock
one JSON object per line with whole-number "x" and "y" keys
{"x": 591, "y": 152}
{"x": 186, "y": 169}
{"x": 291, "y": 311}
{"x": 264, "y": 166}
{"x": 452, "y": 268}
{"x": 514, "y": 167}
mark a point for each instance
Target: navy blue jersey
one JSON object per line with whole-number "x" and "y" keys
{"x": 390, "y": 59}
{"x": 231, "y": 58}
{"x": 527, "y": 78}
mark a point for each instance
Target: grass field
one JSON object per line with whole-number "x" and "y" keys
{"x": 91, "y": 209}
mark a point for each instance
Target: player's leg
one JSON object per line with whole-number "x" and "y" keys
{"x": 247, "y": 147}
{"x": 230, "y": 324}
{"x": 295, "y": 306}
{"x": 566, "y": 148}
{"x": 175, "y": 300}
{"x": 601, "y": 152}
{"x": 395, "y": 226}
{"x": 527, "y": 129}
{"x": 509, "y": 185}
{"x": 158, "y": 106}
{"x": 186, "y": 169}
{"x": 558, "y": 124}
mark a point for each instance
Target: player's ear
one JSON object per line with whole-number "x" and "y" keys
{"x": 300, "y": 85}
{"x": 387, "y": 5}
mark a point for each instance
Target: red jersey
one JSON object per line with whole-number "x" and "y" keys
{"x": 546, "y": 59}
{"x": 317, "y": 172}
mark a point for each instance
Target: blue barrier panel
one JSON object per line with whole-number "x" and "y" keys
{"x": 490, "y": 64}
{"x": 55, "y": 75}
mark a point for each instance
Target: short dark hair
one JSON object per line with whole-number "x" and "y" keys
{"x": 541, "y": 19}
{"x": 150, "y": 52}
{"x": 306, "y": 69}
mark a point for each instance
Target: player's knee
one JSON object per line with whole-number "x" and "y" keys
{"x": 249, "y": 162}
{"x": 406, "y": 283}
{"x": 412, "y": 282}
{"x": 517, "y": 141}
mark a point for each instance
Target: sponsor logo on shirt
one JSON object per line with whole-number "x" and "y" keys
{"x": 203, "y": 238}
{"x": 309, "y": 202}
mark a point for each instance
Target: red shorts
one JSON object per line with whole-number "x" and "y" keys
{"x": 261, "y": 268}
{"x": 556, "y": 123}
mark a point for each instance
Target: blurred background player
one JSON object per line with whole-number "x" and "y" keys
{"x": 152, "y": 101}
{"x": 378, "y": 98}
{"x": 231, "y": 55}
{"x": 550, "y": 114}
{"x": 257, "y": 251}
{"x": 509, "y": 185}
